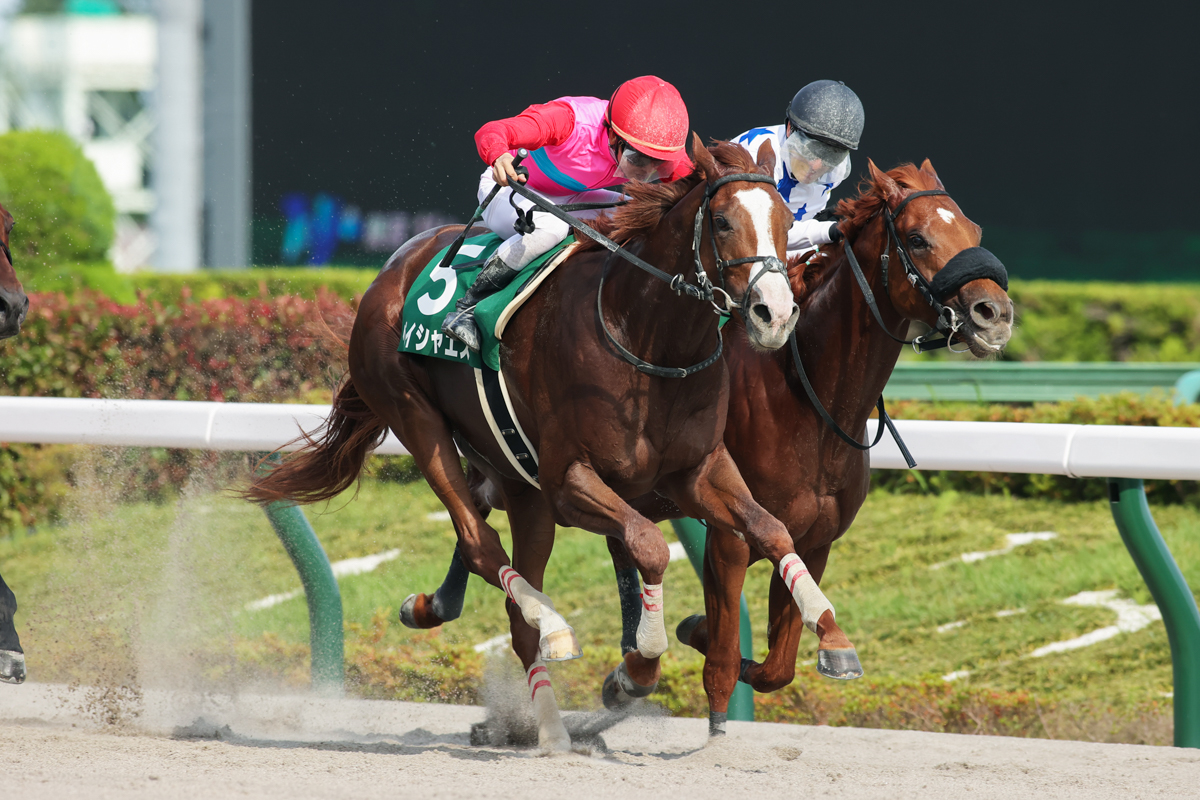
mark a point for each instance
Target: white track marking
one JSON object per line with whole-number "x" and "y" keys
{"x": 946, "y": 215}
{"x": 438, "y": 516}
{"x": 341, "y": 569}
{"x": 494, "y": 644}
{"x": 775, "y": 291}
{"x": 949, "y": 626}
{"x": 1014, "y": 540}
{"x": 1131, "y": 618}
{"x": 677, "y": 551}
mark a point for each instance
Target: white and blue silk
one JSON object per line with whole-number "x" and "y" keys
{"x": 803, "y": 200}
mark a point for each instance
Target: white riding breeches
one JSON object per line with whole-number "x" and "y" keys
{"x": 500, "y": 217}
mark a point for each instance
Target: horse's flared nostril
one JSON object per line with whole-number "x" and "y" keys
{"x": 985, "y": 313}
{"x": 761, "y": 311}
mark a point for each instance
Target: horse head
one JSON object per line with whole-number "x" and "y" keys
{"x": 746, "y": 254}
{"x": 933, "y": 231}
{"x": 14, "y": 304}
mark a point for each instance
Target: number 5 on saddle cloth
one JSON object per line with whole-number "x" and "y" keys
{"x": 434, "y": 294}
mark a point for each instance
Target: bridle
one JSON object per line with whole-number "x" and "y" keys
{"x": 702, "y": 289}
{"x": 968, "y": 265}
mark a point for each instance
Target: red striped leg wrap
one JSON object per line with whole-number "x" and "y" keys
{"x": 652, "y": 598}
{"x": 791, "y": 569}
{"x": 507, "y": 576}
{"x": 538, "y": 677}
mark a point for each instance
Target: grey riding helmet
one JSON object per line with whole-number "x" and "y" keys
{"x": 829, "y": 112}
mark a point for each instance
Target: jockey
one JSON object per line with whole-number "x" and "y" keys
{"x": 824, "y": 123}
{"x": 580, "y": 146}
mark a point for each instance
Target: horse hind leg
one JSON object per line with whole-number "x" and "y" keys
{"x": 584, "y": 500}
{"x": 533, "y": 541}
{"x": 12, "y": 657}
{"x": 422, "y": 610}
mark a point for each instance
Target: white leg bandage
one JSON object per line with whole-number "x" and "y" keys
{"x": 552, "y": 734}
{"x": 535, "y": 607}
{"x": 652, "y": 630}
{"x": 808, "y": 596}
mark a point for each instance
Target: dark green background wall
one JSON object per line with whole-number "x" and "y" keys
{"x": 1066, "y": 130}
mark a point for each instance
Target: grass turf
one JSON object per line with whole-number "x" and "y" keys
{"x": 131, "y": 594}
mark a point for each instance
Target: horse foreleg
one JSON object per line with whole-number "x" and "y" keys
{"x": 12, "y": 657}
{"x": 586, "y": 501}
{"x": 533, "y": 541}
{"x": 716, "y": 492}
{"x": 725, "y": 562}
{"x": 629, "y": 590}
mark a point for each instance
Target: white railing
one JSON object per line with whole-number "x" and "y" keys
{"x": 1083, "y": 451}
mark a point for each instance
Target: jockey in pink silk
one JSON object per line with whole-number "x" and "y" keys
{"x": 580, "y": 147}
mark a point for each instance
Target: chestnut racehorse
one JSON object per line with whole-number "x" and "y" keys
{"x": 14, "y": 305}
{"x": 605, "y": 431}
{"x": 794, "y": 463}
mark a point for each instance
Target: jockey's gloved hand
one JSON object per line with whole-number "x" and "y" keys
{"x": 835, "y": 233}
{"x": 826, "y": 215}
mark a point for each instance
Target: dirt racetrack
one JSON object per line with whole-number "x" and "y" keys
{"x": 296, "y": 747}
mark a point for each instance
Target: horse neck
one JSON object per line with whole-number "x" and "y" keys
{"x": 662, "y": 327}
{"x": 847, "y": 355}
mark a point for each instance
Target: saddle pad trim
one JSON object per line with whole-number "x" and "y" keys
{"x": 497, "y": 409}
{"x": 529, "y": 288}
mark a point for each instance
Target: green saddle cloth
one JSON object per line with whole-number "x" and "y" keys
{"x": 435, "y": 292}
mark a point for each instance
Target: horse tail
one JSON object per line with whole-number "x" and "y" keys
{"x": 331, "y": 458}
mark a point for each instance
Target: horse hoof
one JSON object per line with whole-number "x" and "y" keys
{"x": 841, "y": 665}
{"x": 12, "y": 667}
{"x": 416, "y": 612}
{"x": 560, "y": 645}
{"x": 620, "y": 690}
{"x": 686, "y": 628}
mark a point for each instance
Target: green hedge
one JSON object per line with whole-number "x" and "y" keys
{"x": 63, "y": 211}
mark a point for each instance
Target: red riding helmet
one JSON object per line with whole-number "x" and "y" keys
{"x": 649, "y": 114}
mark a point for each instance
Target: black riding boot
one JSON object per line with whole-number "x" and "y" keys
{"x": 460, "y": 323}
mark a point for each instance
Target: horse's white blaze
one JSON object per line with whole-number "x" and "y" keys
{"x": 772, "y": 290}
{"x": 946, "y": 214}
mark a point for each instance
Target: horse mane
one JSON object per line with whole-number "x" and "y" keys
{"x": 856, "y": 212}
{"x": 650, "y": 202}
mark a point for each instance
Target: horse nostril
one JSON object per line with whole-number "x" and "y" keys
{"x": 985, "y": 312}
{"x": 762, "y": 312}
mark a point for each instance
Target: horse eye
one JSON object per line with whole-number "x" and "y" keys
{"x": 722, "y": 224}
{"x": 917, "y": 241}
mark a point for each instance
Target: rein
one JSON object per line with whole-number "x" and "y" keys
{"x": 703, "y": 289}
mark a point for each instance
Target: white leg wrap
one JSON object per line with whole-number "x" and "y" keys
{"x": 808, "y": 596}
{"x": 535, "y": 607}
{"x": 552, "y": 734}
{"x": 652, "y": 638}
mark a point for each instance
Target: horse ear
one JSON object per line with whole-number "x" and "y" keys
{"x": 702, "y": 158}
{"x": 887, "y": 188}
{"x": 927, "y": 168}
{"x": 766, "y": 158}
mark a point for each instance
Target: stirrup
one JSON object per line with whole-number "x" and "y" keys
{"x": 461, "y": 324}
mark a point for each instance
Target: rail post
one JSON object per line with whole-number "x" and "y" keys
{"x": 693, "y": 534}
{"x": 326, "y": 638}
{"x": 1127, "y": 497}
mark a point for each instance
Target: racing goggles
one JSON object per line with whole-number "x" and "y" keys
{"x": 636, "y": 166}
{"x": 809, "y": 159}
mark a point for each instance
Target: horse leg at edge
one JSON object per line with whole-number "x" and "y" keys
{"x": 629, "y": 590}
{"x": 445, "y": 605}
{"x": 533, "y": 541}
{"x": 587, "y": 502}
{"x": 716, "y": 492}
{"x": 12, "y": 657}
{"x": 725, "y": 561}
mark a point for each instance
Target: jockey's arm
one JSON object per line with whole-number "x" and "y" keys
{"x": 808, "y": 234}
{"x": 538, "y": 126}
